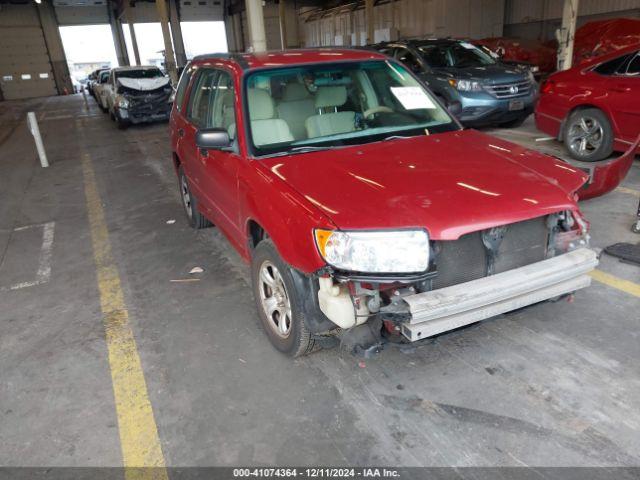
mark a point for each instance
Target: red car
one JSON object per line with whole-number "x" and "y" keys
{"x": 364, "y": 209}
{"x": 594, "y": 108}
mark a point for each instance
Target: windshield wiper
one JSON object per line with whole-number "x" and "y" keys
{"x": 309, "y": 148}
{"x": 397, "y": 137}
{"x": 302, "y": 149}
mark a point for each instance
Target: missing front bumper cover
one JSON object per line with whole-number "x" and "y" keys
{"x": 452, "y": 307}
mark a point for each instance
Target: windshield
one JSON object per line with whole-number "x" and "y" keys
{"x": 334, "y": 104}
{"x": 104, "y": 76}
{"x": 145, "y": 73}
{"x": 457, "y": 55}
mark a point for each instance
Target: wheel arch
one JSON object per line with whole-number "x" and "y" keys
{"x": 176, "y": 161}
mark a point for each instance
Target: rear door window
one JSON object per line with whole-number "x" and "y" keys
{"x": 182, "y": 87}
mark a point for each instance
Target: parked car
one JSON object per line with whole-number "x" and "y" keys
{"x": 540, "y": 56}
{"x": 138, "y": 95}
{"x": 380, "y": 214}
{"x": 100, "y": 89}
{"x": 594, "y": 108}
{"x": 474, "y": 85}
{"x": 91, "y": 78}
{"x": 519, "y": 64}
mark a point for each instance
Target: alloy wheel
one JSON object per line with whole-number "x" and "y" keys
{"x": 585, "y": 136}
{"x": 274, "y": 299}
{"x": 186, "y": 197}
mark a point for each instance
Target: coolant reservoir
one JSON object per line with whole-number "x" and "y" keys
{"x": 335, "y": 302}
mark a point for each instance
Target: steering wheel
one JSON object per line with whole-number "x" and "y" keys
{"x": 379, "y": 109}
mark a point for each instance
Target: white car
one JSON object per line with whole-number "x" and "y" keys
{"x": 137, "y": 95}
{"x": 99, "y": 89}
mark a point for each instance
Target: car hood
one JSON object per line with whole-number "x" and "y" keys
{"x": 451, "y": 183}
{"x": 143, "y": 84}
{"x": 488, "y": 74}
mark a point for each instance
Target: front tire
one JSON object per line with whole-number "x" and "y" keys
{"x": 122, "y": 124}
{"x": 279, "y": 303}
{"x": 588, "y": 135}
{"x": 190, "y": 204}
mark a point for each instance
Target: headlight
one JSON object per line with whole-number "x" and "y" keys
{"x": 402, "y": 251}
{"x": 122, "y": 102}
{"x": 466, "y": 85}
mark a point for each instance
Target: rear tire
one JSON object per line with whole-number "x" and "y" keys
{"x": 588, "y": 135}
{"x": 190, "y": 204}
{"x": 279, "y": 302}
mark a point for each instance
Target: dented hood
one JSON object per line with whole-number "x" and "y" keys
{"x": 143, "y": 84}
{"x": 451, "y": 183}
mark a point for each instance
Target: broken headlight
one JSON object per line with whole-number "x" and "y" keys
{"x": 569, "y": 231}
{"x": 122, "y": 101}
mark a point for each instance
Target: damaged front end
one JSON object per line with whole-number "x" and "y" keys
{"x": 479, "y": 275}
{"x": 139, "y": 106}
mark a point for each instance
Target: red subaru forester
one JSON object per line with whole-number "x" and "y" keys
{"x": 366, "y": 212}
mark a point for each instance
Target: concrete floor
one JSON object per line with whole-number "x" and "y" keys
{"x": 557, "y": 384}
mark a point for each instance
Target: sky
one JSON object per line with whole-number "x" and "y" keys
{"x": 94, "y": 43}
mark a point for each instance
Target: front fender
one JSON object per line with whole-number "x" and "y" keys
{"x": 285, "y": 215}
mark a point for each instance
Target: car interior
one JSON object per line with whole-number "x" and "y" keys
{"x": 304, "y": 104}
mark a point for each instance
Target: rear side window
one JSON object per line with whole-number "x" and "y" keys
{"x": 612, "y": 66}
{"x": 182, "y": 87}
{"x": 634, "y": 67}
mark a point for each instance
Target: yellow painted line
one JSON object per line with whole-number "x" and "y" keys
{"x": 630, "y": 191}
{"x": 615, "y": 282}
{"x": 136, "y": 424}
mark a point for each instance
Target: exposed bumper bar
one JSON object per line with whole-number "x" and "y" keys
{"x": 459, "y": 305}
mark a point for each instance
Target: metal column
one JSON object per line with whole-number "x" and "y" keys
{"x": 255, "y": 18}
{"x": 128, "y": 12}
{"x": 566, "y": 34}
{"x": 282, "y": 15}
{"x": 118, "y": 39}
{"x": 176, "y": 33}
{"x": 52, "y": 39}
{"x": 170, "y": 63}
{"x": 368, "y": 11}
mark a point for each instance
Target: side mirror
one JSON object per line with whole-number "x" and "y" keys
{"x": 454, "y": 108}
{"x": 212, "y": 138}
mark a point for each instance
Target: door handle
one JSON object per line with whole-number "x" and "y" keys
{"x": 181, "y": 132}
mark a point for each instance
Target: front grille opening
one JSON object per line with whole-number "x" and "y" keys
{"x": 466, "y": 259}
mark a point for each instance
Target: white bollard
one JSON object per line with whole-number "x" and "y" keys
{"x": 35, "y": 131}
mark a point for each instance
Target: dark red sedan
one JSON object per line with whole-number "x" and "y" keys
{"x": 361, "y": 204}
{"x": 594, "y": 108}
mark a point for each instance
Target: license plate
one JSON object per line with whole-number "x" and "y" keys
{"x": 516, "y": 105}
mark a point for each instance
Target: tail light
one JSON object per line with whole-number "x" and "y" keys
{"x": 547, "y": 86}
